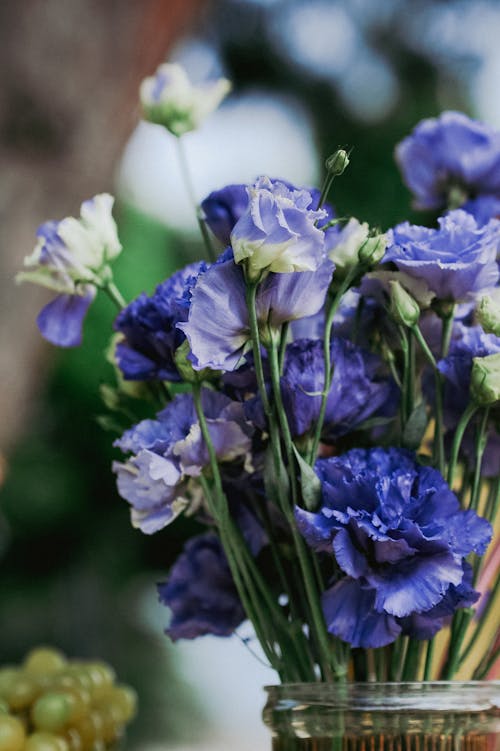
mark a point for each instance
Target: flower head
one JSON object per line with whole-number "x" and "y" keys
{"x": 200, "y": 592}
{"x": 457, "y": 260}
{"x": 218, "y": 326}
{"x": 168, "y": 452}
{"x": 450, "y": 154}
{"x": 278, "y": 231}
{"x": 397, "y": 532}
{"x": 223, "y": 208}
{"x": 170, "y": 99}
{"x": 359, "y": 387}
{"x": 149, "y": 328}
{"x": 71, "y": 258}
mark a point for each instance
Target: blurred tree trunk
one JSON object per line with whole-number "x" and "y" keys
{"x": 69, "y": 75}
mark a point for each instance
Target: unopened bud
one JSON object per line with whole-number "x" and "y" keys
{"x": 373, "y": 250}
{"x": 485, "y": 379}
{"x": 404, "y": 309}
{"x": 185, "y": 367}
{"x": 337, "y": 162}
{"x": 488, "y": 314}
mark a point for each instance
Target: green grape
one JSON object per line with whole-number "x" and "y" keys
{"x": 22, "y": 691}
{"x": 12, "y": 734}
{"x": 7, "y": 675}
{"x": 46, "y": 742}
{"x": 44, "y": 660}
{"x": 123, "y": 700}
{"x": 52, "y": 711}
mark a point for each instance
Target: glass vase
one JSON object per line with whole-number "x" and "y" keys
{"x": 428, "y": 716}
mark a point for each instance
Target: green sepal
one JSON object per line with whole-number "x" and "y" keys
{"x": 310, "y": 483}
{"x": 276, "y": 483}
{"x": 415, "y": 427}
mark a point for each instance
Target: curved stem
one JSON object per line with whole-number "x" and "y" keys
{"x": 186, "y": 174}
{"x": 457, "y": 440}
{"x": 115, "y": 295}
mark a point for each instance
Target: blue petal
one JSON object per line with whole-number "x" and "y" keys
{"x": 61, "y": 321}
{"x": 350, "y": 614}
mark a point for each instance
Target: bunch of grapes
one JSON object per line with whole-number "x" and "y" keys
{"x": 50, "y": 703}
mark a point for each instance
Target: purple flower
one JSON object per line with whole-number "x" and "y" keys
{"x": 456, "y": 261}
{"x": 222, "y": 209}
{"x": 359, "y": 388}
{"x": 169, "y": 452}
{"x": 218, "y": 327}
{"x": 200, "y": 592}
{"x": 397, "y": 532}
{"x": 450, "y": 153}
{"x": 149, "y": 326}
{"x": 72, "y": 258}
{"x": 483, "y": 208}
{"x": 278, "y": 231}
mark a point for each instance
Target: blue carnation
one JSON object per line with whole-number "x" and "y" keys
{"x": 222, "y": 209}
{"x": 397, "y": 532}
{"x": 360, "y": 387}
{"x": 451, "y": 152}
{"x": 200, "y": 592}
{"x": 456, "y": 261}
{"x": 149, "y": 326}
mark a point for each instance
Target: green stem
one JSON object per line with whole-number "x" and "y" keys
{"x": 250, "y": 294}
{"x": 428, "y": 659}
{"x": 115, "y": 295}
{"x": 327, "y": 184}
{"x": 328, "y": 369}
{"x": 482, "y": 621}
{"x": 461, "y": 622}
{"x": 481, "y": 440}
{"x": 485, "y": 665}
{"x": 283, "y": 343}
{"x": 446, "y": 332}
{"x": 186, "y": 174}
{"x": 438, "y": 447}
{"x": 405, "y": 399}
{"x": 470, "y": 410}
{"x": 411, "y": 660}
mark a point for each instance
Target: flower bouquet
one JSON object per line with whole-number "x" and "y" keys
{"x": 322, "y": 398}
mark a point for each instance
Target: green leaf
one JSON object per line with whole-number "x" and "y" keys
{"x": 415, "y": 427}
{"x": 310, "y": 484}
{"x": 276, "y": 482}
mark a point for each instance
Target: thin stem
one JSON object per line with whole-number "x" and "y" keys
{"x": 485, "y": 665}
{"x": 411, "y": 660}
{"x": 328, "y": 369}
{"x": 250, "y": 294}
{"x": 188, "y": 181}
{"x": 481, "y": 440}
{"x": 438, "y": 448}
{"x": 446, "y": 332}
{"x": 325, "y": 189}
{"x": 429, "y": 659}
{"x": 460, "y": 624}
{"x": 491, "y": 597}
{"x": 470, "y": 410}
{"x": 115, "y": 295}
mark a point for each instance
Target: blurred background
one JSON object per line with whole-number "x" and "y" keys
{"x": 308, "y": 75}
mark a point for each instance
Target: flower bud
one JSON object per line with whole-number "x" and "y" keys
{"x": 488, "y": 314}
{"x": 337, "y": 162}
{"x": 373, "y": 250}
{"x": 185, "y": 367}
{"x": 345, "y": 252}
{"x": 170, "y": 99}
{"x": 404, "y": 309}
{"x": 485, "y": 379}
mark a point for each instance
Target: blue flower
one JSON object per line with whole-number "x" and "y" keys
{"x": 456, "y": 261}
{"x": 359, "y": 389}
{"x": 149, "y": 326}
{"x": 200, "y": 592}
{"x": 72, "y": 258}
{"x": 218, "y": 328}
{"x": 397, "y": 532}
{"x": 450, "y": 153}
{"x": 278, "y": 232}
{"x": 169, "y": 453}
{"x": 483, "y": 208}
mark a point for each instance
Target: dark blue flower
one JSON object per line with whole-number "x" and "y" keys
{"x": 218, "y": 327}
{"x": 483, "y": 209}
{"x": 222, "y": 209}
{"x": 456, "y": 261}
{"x": 450, "y": 153}
{"x": 360, "y": 387}
{"x": 149, "y": 326}
{"x": 397, "y": 532}
{"x": 200, "y": 592}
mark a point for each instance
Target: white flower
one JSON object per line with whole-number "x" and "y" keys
{"x": 170, "y": 99}
{"x": 73, "y": 253}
